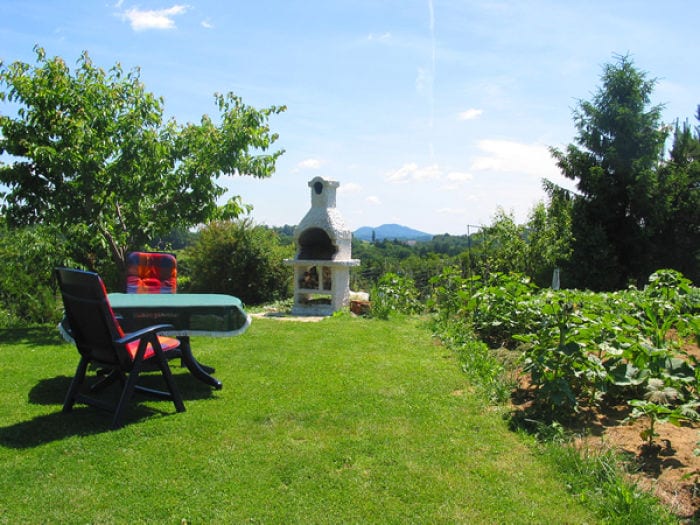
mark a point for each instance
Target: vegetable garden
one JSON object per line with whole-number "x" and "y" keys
{"x": 565, "y": 357}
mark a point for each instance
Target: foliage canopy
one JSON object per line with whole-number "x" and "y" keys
{"x": 92, "y": 154}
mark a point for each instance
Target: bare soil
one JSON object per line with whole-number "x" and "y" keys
{"x": 670, "y": 469}
{"x": 282, "y": 316}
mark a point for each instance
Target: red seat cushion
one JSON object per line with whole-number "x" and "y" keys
{"x": 166, "y": 343}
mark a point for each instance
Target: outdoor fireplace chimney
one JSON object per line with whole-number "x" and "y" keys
{"x": 323, "y": 259}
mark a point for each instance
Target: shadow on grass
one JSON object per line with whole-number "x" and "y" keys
{"x": 38, "y": 335}
{"x": 84, "y": 420}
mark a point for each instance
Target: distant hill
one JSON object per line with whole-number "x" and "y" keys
{"x": 391, "y": 232}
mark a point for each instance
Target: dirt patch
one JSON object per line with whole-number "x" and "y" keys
{"x": 282, "y": 316}
{"x": 670, "y": 470}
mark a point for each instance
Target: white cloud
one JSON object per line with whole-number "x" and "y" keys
{"x": 383, "y": 37}
{"x": 453, "y": 211}
{"x": 412, "y": 172}
{"x": 455, "y": 180}
{"x": 428, "y": 173}
{"x": 373, "y": 200}
{"x": 350, "y": 187}
{"x": 459, "y": 176}
{"x": 424, "y": 81}
{"x": 470, "y": 114}
{"x": 403, "y": 174}
{"x": 310, "y": 164}
{"x": 206, "y": 24}
{"x": 514, "y": 157}
{"x": 141, "y": 20}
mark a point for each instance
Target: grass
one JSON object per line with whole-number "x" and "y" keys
{"x": 342, "y": 421}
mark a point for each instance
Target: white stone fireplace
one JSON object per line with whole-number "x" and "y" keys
{"x": 323, "y": 260}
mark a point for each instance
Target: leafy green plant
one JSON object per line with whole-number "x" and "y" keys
{"x": 502, "y": 307}
{"x": 554, "y": 358}
{"x": 394, "y": 294}
{"x": 659, "y": 404}
{"x": 669, "y": 285}
{"x": 28, "y": 257}
{"x": 450, "y": 292}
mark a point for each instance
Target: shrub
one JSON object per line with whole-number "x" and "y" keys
{"x": 27, "y": 287}
{"x": 502, "y": 308}
{"x": 237, "y": 258}
{"x": 394, "y": 293}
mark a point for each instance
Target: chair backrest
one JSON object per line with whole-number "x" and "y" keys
{"x": 92, "y": 323}
{"x": 151, "y": 272}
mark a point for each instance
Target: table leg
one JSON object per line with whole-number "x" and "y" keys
{"x": 201, "y": 372}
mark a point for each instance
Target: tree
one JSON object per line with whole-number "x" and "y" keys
{"x": 676, "y": 226}
{"x": 92, "y": 155}
{"x": 504, "y": 244}
{"x": 549, "y": 236}
{"x": 620, "y": 142}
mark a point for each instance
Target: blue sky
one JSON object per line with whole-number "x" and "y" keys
{"x": 429, "y": 113}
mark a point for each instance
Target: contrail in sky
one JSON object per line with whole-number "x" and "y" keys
{"x": 431, "y": 89}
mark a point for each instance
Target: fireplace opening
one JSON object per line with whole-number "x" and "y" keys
{"x": 311, "y": 280}
{"x": 315, "y": 244}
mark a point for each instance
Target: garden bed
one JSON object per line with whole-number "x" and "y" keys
{"x": 670, "y": 469}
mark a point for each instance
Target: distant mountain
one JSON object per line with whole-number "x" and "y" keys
{"x": 391, "y": 232}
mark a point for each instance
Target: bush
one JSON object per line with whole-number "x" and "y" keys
{"x": 394, "y": 294}
{"x": 237, "y": 258}
{"x": 501, "y": 308}
{"x": 27, "y": 285}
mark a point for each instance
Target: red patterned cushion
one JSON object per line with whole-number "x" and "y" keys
{"x": 151, "y": 272}
{"x": 166, "y": 343}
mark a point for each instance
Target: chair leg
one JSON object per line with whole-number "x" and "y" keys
{"x": 76, "y": 384}
{"x": 126, "y": 394}
{"x": 170, "y": 382}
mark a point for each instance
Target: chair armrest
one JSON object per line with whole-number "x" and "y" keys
{"x": 138, "y": 334}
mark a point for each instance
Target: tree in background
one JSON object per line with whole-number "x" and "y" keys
{"x": 504, "y": 245}
{"x": 618, "y": 147}
{"x": 676, "y": 226}
{"x": 549, "y": 236}
{"x": 92, "y": 155}
{"x": 238, "y": 258}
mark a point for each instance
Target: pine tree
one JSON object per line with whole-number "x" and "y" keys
{"x": 618, "y": 148}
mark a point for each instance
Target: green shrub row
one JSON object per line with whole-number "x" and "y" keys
{"x": 582, "y": 349}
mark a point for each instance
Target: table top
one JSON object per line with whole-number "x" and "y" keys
{"x": 174, "y": 300}
{"x": 190, "y": 314}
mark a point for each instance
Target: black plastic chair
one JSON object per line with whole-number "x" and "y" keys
{"x": 120, "y": 357}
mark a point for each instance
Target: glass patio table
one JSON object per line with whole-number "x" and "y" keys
{"x": 215, "y": 315}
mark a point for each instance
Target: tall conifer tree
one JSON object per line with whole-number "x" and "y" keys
{"x": 618, "y": 147}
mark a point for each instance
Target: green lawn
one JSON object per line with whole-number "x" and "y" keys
{"x": 347, "y": 420}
